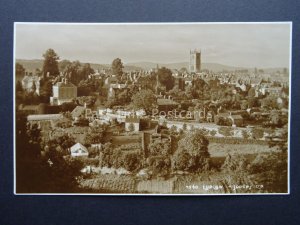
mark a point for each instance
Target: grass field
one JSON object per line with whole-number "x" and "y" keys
{"x": 221, "y": 150}
{"x": 122, "y": 140}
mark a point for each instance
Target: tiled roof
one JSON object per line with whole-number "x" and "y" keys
{"x": 44, "y": 117}
{"x": 77, "y": 111}
{"x": 77, "y": 146}
{"x": 62, "y": 84}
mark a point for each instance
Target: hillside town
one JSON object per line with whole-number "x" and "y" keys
{"x": 186, "y": 130}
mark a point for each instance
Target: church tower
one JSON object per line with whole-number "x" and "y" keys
{"x": 195, "y": 61}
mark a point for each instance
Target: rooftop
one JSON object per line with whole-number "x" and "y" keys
{"x": 132, "y": 119}
{"x": 77, "y": 111}
{"x": 64, "y": 84}
{"x": 166, "y": 101}
{"x": 77, "y": 146}
{"x": 40, "y": 117}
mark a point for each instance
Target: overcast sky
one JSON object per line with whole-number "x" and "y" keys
{"x": 245, "y": 45}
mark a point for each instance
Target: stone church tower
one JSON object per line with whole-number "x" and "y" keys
{"x": 195, "y": 61}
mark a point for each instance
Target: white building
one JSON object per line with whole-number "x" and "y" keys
{"x": 29, "y": 81}
{"x": 63, "y": 91}
{"x": 132, "y": 124}
{"x": 79, "y": 150}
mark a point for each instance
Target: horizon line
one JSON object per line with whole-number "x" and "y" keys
{"x": 166, "y": 63}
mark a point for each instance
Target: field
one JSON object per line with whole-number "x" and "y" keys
{"x": 123, "y": 140}
{"x": 221, "y": 149}
{"x": 110, "y": 184}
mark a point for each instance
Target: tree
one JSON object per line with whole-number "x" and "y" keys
{"x": 275, "y": 118}
{"x": 252, "y": 102}
{"x": 117, "y": 67}
{"x": 235, "y": 163}
{"x": 45, "y": 90}
{"x": 61, "y": 144}
{"x": 251, "y": 93}
{"x": 86, "y": 71}
{"x": 67, "y": 107}
{"x": 144, "y": 99}
{"x": 95, "y": 136}
{"x": 73, "y": 72}
{"x": 159, "y": 165}
{"x": 280, "y": 141}
{"x": 195, "y": 143}
{"x": 213, "y": 132}
{"x": 173, "y": 130}
{"x": 38, "y": 72}
{"x": 19, "y": 70}
{"x": 63, "y": 65}
{"x": 19, "y": 87}
{"x": 160, "y": 148}
{"x": 271, "y": 170}
{"x": 269, "y": 102}
{"x": 245, "y": 134}
{"x": 257, "y": 133}
{"x": 50, "y": 63}
{"x": 34, "y": 173}
{"x": 123, "y": 97}
{"x": 88, "y": 100}
{"x": 63, "y": 122}
{"x": 132, "y": 161}
{"x": 165, "y": 78}
{"x": 183, "y": 70}
{"x": 200, "y": 87}
{"x": 192, "y": 154}
{"x": 226, "y": 131}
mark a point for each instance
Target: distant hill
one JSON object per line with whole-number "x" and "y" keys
{"x": 31, "y": 65}
{"x": 209, "y": 66}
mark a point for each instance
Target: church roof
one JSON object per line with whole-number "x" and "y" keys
{"x": 132, "y": 120}
{"x": 63, "y": 84}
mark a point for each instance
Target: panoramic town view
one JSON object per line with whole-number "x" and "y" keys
{"x": 152, "y": 109}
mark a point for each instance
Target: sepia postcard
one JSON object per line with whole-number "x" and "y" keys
{"x": 152, "y": 108}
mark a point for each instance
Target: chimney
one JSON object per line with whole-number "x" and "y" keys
{"x": 169, "y": 96}
{"x": 85, "y": 105}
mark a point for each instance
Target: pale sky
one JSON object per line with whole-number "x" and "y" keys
{"x": 244, "y": 45}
